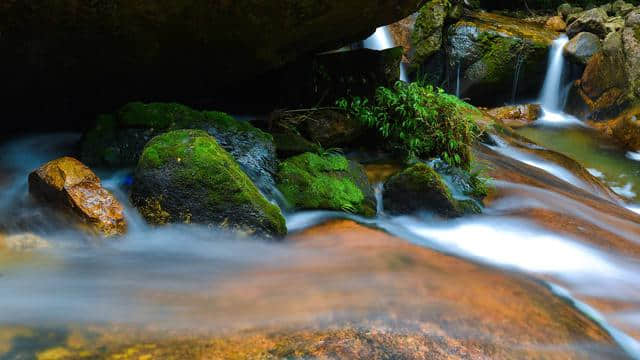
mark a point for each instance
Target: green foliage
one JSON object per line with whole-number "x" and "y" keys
{"x": 420, "y": 121}
{"x": 313, "y": 181}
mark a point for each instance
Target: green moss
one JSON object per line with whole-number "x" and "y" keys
{"x": 312, "y": 181}
{"x": 201, "y": 163}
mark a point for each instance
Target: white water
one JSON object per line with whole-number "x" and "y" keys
{"x": 382, "y": 40}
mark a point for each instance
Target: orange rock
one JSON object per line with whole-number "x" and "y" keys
{"x": 69, "y": 184}
{"x": 624, "y": 129}
{"x": 517, "y": 115}
{"x": 556, "y": 23}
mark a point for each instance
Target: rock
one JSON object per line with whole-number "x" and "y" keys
{"x": 624, "y": 129}
{"x": 488, "y": 49}
{"x": 621, "y": 8}
{"x": 428, "y": 31}
{"x": 291, "y": 143}
{"x": 22, "y": 242}
{"x": 566, "y": 9}
{"x": 614, "y": 25}
{"x": 401, "y": 34}
{"x": 164, "y": 50}
{"x": 67, "y": 183}
{"x": 516, "y": 116}
{"x": 582, "y": 47}
{"x": 327, "y": 127}
{"x": 605, "y": 88}
{"x": 185, "y": 176}
{"x": 592, "y": 21}
{"x": 327, "y": 182}
{"x": 633, "y": 19}
{"x": 631, "y": 49}
{"x": 556, "y": 23}
{"x": 420, "y": 188}
{"x": 117, "y": 140}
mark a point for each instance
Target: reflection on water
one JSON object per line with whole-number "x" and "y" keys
{"x": 594, "y": 152}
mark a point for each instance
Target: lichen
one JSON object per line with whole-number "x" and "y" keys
{"x": 312, "y": 181}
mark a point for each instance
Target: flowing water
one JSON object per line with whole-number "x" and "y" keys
{"x": 382, "y": 40}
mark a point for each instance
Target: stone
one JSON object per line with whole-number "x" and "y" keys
{"x": 556, "y": 23}
{"x": 582, "y": 47}
{"x": 517, "y": 116}
{"x": 592, "y": 21}
{"x": 566, "y": 9}
{"x": 185, "y": 176}
{"x": 427, "y": 35}
{"x": 420, "y": 188}
{"x": 327, "y": 127}
{"x": 326, "y": 182}
{"x": 68, "y": 184}
{"x": 487, "y": 50}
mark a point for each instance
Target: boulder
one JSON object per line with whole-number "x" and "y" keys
{"x": 68, "y": 184}
{"x": 163, "y": 50}
{"x": 327, "y": 127}
{"x": 556, "y": 23}
{"x": 428, "y": 31}
{"x": 420, "y": 188}
{"x": 185, "y": 176}
{"x": 582, "y": 47}
{"x": 487, "y": 51}
{"x": 632, "y": 19}
{"x": 517, "y": 116}
{"x": 566, "y": 9}
{"x": 631, "y": 49}
{"x": 117, "y": 139}
{"x": 326, "y": 182}
{"x": 621, "y": 8}
{"x": 592, "y": 21}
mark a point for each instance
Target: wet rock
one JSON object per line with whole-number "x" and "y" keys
{"x": 582, "y": 47}
{"x": 592, "y": 21}
{"x": 428, "y": 31}
{"x": 327, "y": 127}
{"x": 556, "y": 23}
{"x": 327, "y": 182}
{"x": 420, "y": 188}
{"x": 22, "y": 242}
{"x": 165, "y": 50}
{"x": 488, "y": 50}
{"x": 117, "y": 140}
{"x": 517, "y": 116}
{"x": 185, "y": 176}
{"x": 624, "y": 129}
{"x": 67, "y": 183}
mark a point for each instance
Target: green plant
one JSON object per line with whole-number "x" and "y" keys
{"x": 420, "y": 121}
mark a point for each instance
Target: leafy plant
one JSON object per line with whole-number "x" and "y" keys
{"x": 419, "y": 121}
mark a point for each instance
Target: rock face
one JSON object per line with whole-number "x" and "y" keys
{"x": 118, "y": 139}
{"x": 185, "y": 176}
{"x": 517, "y": 115}
{"x": 488, "y": 50}
{"x": 68, "y": 184}
{"x": 592, "y": 21}
{"x": 420, "y": 188}
{"x": 166, "y": 50}
{"x": 582, "y": 47}
{"x": 328, "y": 182}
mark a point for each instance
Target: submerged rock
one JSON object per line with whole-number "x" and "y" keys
{"x": 582, "y": 47}
{"x": 487, "y": 51}
{"x": 420, "y": 188}
{"x": 185, "y": 176}
{"x": 67, "y": 183}
{"x": 327, "y": 182}
{"x": 117, "y": 140}
{"x": 517, "y": 115}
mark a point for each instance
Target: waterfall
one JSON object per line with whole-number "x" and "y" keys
{"x": 458, "y": 80}
{"x": 551, "y": 96}
{"x": 381, "y": 40}
{"x": 516, "y": 78}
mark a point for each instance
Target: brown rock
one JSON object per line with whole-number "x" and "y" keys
{"x": 69, "y": 184}
{"x": 517, "y": 115}
{"x": 556, "y": 23}
{"x": 625, "y": 129}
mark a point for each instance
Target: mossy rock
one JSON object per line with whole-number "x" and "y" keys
{"x": 488, "y": 50}
{"x": 421, "y": 188}
{"x": 427, "y": 34}
{"x": 185, "y": 176}
{"x": 327, "y": 182}
{"x": 117, "y": 140}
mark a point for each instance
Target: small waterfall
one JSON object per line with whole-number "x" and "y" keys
{"x": 382, "y": 40}
{"x": 516, "y": 78}
{"x": 551, "y": 96}
{"x": 458, "y": 79}
{"x": 378, "y": 190}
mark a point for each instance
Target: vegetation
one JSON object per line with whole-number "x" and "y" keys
{"x": 420, "y": 121}
{"x": 325, "y": 181}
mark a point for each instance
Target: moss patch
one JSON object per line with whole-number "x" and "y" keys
{"x": 330, "y": 182}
